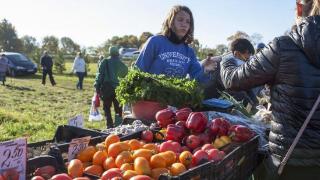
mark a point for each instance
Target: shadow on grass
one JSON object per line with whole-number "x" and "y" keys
{"x": 20, "y": 88}
{"x": 32, "y": 76}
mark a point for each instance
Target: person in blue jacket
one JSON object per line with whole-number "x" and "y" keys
{"x": 169, "y": 52}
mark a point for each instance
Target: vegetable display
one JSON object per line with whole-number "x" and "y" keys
{"x": 141, "y": 86}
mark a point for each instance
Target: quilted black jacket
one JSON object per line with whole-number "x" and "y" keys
{"x": 291, "y": 66}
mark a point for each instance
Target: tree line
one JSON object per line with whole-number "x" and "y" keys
{"x": 65, "y": 48}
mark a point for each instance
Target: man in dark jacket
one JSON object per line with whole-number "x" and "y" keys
{"x": 107, "y": 79}
{"x": 46, "y": 64}
{"x": 291, "y": 66}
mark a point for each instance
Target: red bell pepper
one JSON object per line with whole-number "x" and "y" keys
{"x": 219, "y": 127}
{"x": 175, "y": 132}
{"x": 165, "y": 117}
{"x": 183, "y": 114}
{"x": 196, "y": 122}
{"x": 240, "y": 133}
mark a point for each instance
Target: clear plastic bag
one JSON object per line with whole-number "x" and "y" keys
{"x": 258, "y": 127}
{"x": 263, "y": 115}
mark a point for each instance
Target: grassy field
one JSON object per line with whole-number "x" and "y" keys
{"x": 29, "y": 109}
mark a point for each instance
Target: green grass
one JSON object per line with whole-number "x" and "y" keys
{"x": 29, "y": 109}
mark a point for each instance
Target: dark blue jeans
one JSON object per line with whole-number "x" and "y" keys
{"x": 80, "y": 81}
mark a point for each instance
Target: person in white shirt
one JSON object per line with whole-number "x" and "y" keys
{"x": 79, "y": 67}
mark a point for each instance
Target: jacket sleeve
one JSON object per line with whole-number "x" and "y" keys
{"x": 100, "y": 76}
{"x": 146, "y": 56}
{"x": 261, "y": 69}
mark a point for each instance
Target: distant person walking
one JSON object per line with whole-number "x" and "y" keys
{"x": 3, "y": 68}
{"x": 47, "y": 64}
{"x": 107, "y": 79}
{"x": 79, "y": 67}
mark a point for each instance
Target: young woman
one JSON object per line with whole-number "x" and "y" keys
{"x": 79, "y": 67}
{"x": 169, "y": 53}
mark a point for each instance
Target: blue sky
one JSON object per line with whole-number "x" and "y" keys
{"x": 91, "y": 22}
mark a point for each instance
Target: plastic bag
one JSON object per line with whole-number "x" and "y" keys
{"x": 263, "y": 115}
{"x": 94, "y": 111}
{"x": 259, "y": 128}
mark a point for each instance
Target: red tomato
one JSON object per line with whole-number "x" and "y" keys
{"x": 207, "y": 147}
{"x": 147, "y": 136}
{"x": 183, "y": 114}
{"x": 37, "y": 178}
{"x": 111, "y": 173}
{"x": 213, "y": 154}
{"x": 11, "y": 174}
{"x": 200, "y": 157}
{"x": 62, "y": 176}
{"x": 170, "y": 146}
{"x": 193, "y": 141}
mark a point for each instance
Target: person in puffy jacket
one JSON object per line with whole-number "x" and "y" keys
{"x": 291, "y": 66}
{"x": 107, "y": 79}
{"x": 79, "y": 67}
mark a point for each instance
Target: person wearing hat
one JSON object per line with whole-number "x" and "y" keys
{"x": 107, "y": 79}
{"x": 79, "y": 67}
{"x": 290, "y": 64}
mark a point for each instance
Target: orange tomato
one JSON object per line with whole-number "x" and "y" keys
{"x": 141, "y": 165}
{"x": 116, "y": 148}
{"x": 177, "y": 168}
{"x": 134, "y": 144}
{"x": 112, "y": 138}
{"x": 86, "y": 154}
{"x": 126, "y": 166}
{"x": 99, "y": 157}
{"x": 129, "y": 174}
{"x": 109, "y": 163}
{"x": 94, "y": 170}
{"x": 146, "y": 153}
{"x": 157, "y": 161}
{"x": 75, "y": 168}
{"x": 152, "y": 147}
{"x": 185, "y": 158}
{"x": 169, "y": 156}
{"x": 101, "y": 147}
{"x": 156, "y": 172}
{"x": 123, "y": 157}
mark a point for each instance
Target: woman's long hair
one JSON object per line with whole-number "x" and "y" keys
{"x": 315, "y": 11}
{"x": 168, "y": 23}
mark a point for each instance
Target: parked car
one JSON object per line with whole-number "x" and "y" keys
{"x": 19, "y": 64}
{"x": 133, "y": 54}
{"x": 127, "y": 53}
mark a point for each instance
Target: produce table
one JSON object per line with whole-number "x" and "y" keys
{"x": 240, "y": 160}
